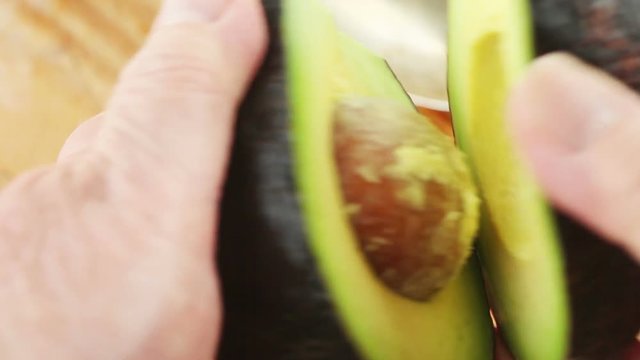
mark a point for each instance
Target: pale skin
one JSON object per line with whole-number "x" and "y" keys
{"x": 109, "y": 253}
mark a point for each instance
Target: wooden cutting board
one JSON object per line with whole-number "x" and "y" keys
{"x": 58, "y": 62}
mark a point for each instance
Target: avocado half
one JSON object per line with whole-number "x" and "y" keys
{"x": 490, "y": 45}
{"x": 324, "y": 67}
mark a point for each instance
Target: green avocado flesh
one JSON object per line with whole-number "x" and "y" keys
{"x": 323, "y": 68}
{"x": 490, "y": 44}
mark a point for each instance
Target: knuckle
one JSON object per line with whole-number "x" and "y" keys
{"x": 184, "y": 61}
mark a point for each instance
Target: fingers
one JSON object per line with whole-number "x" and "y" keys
{"x": 580, "y": 131}
{"x": 82, "y": 138}
{"x": 173, "y": 108}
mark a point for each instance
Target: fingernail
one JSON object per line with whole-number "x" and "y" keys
{"x": 566, "y": 103}
{"x": 189, "y": 11}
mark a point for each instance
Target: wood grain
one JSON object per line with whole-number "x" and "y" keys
{"x": 58, "y": 62}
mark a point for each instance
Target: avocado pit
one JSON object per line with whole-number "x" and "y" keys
{"x": 409, "y": 196}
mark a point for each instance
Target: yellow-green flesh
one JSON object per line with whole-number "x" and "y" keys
{"x": 490, "y": 45}
{"x": 324, "y": 66}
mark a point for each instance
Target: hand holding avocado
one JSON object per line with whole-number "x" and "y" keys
{"x": 107, "y": 254}
{"x": 578, "y": 128}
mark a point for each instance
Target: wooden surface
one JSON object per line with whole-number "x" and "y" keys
{"x": 58, "y": 62}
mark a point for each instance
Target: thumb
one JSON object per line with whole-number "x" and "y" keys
{"x": 580, "y": 130}
{"x": 172, "y": 110}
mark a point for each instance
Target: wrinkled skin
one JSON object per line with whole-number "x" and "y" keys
{"x": 108, "y": 253}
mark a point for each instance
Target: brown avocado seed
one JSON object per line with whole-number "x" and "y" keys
{"x": 407, "y": 192}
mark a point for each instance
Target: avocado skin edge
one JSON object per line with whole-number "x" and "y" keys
{"x": 603, "y": 280}
{"x": 275, "y": 304}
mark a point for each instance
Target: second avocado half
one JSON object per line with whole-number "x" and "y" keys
{"x": 490, "y": 45}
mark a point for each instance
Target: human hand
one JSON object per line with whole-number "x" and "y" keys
{"x": 108, "y": 254}
{"x": 580, "y": 131}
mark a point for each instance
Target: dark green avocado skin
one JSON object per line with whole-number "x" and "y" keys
{"x": 275, "y": 305}
{"x": 605, "y": 33}
{"x": 604, "y": 282}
